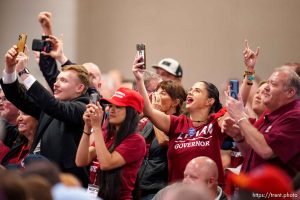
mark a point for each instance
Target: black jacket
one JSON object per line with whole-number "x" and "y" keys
{"x": 153, "y": 174}
{"x": 11, "y": 133}
{"x": 60, "y": 123}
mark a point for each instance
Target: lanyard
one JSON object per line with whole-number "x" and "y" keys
{"x": 25, "y": 149}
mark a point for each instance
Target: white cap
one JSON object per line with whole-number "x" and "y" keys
{"x": 170, "y": 65}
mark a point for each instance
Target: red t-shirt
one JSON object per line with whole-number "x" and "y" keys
{"x": 281, "y": 129}
{"x": 188, "y": 142}
{"x": 133, "y": 150}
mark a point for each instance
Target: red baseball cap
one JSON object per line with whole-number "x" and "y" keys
{"x": 264, "y": 179}
{"x": 126, "y": 97}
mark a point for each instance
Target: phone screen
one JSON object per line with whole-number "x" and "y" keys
{"x": 22, "y": 42}
{"x": 234, "y": 88}
{"x": 94, "y": 98}
{"x": 141, "y": 49}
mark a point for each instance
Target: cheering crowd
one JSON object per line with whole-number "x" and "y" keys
{"x": 92, "y": 137}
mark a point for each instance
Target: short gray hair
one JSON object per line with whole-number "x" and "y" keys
{"x": 149, "y": 76}
{"x": 292, "y": 81}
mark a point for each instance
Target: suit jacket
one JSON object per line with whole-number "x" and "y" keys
{"x": 60, "y": 123}
{"x": 11, "y": 133}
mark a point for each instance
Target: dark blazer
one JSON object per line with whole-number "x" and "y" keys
{"x": 11, "y": 133}
{"x": 60, "y": 123}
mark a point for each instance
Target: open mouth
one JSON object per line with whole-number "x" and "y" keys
{"x": 56, "y": 91}
{"x": 189, "y": 100}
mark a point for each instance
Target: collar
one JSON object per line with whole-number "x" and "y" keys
{"x": 219, "y": 192}
{"x": 277, "y": 113}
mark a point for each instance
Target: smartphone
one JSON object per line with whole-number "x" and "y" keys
{"x": 94, "y": 98}
{"x": 234, "y": 88}
{"x": 22, "y": 42}
{"x": 141, "y": 49}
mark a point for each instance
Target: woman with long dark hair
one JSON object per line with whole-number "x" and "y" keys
{"x": 198, "y": 134}
{"x": 118, "y": 150}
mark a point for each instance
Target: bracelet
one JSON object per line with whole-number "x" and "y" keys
{"x": 249, "y": 73}
{"x": 87, "y": 133}
{"x": 240, "y": 140}
{"x": 241, "y": 119}
{"x": 251, "y": 77}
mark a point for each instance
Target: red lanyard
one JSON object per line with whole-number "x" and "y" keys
{"x": 24, "y": 148}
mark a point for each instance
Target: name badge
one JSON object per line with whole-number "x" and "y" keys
{"x": 93, "y": 190}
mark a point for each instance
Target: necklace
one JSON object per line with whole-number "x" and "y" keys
{"x": 199, "y": 121}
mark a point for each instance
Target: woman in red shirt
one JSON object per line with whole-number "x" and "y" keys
{"x": 117, "y": 147}
{"x": 198, "y": 134}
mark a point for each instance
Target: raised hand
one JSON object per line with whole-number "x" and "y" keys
{"x": 45, "y": 19}
{"x": 11, "y": 59}
{"x": 22, "y": 61}
{"x": 137, "y": 67}
{"x": 250, "y": 57}
{"x": 57, "y": 51}
{"x": 87, "y": 119}
{"x": 156, "y": 101}
{"x": 96, "y": 114}
{"x": 230, "y": 127}
{"x": 235, "y": 108}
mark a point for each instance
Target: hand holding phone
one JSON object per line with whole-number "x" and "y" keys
{"x": 21, "y": 42}
{"x": 141, "y": 49}
{"x": 234, "y": 88}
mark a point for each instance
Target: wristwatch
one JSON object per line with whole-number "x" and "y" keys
{"x": 24, "y": 71}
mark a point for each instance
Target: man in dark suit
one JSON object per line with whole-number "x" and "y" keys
{"x": 60, "y": 115}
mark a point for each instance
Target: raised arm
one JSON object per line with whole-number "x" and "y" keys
{"x": 11, "y": 86}
{"x": 47, "y": 62}
{"x": 85, "y": 153}
{"x": 252, "y": 136}
{"x": 158, "y": 118}
{"x": 109, "y": 160}
{"x": 250, "y": 59}
{"x": 230, "y": 127}
{"x": 45, "y": 19}
{"x": 68, "y": 111}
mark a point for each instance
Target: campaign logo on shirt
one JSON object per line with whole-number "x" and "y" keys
{"x": 194, "y": 138}
{"x": 191, "y": 132}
